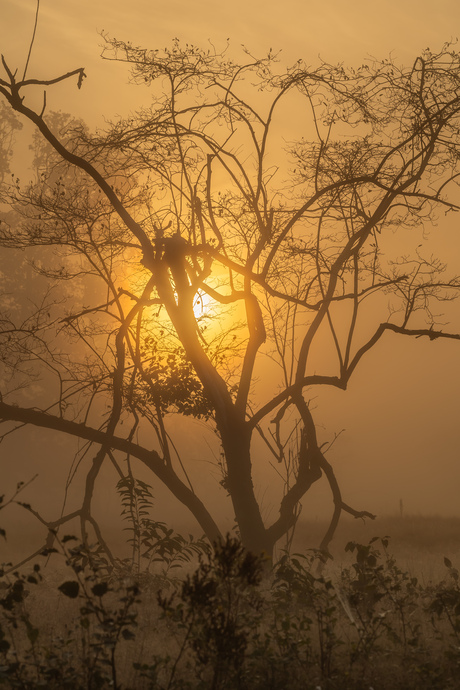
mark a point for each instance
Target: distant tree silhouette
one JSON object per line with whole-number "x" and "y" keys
{"x": 275, "y": 194}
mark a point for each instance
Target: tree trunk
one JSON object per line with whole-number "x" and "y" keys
{"x": 236, "y": 442}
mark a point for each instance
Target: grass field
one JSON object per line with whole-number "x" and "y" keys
{"x": 419, "y": 543}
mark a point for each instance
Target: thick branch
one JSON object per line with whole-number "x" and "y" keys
{"x": 339, "y": 505}
{"x": 414, "y": 332}
{"x": 257, "y": 337}
{"x": 150, "y": 458}
{"x": 289, "y": 391}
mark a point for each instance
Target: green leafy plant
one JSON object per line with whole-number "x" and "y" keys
{"x": 84, "y": 653}
{"x": 218, "y": 609}
{"x": 444, "y": 608}
{"x": 152, "y": 542}
{"x": 307, "y": 605}
{"x": 19, "y": 652}
{"x": 383, "y": 602}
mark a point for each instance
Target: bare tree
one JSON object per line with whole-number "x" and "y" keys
{"x": 249, "y": 213}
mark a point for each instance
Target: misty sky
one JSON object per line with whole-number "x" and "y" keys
{"x": 68, "y": 34}
{"x": 401, "y": 413}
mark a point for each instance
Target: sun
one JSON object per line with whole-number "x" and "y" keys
{"x": 203, "y": 306}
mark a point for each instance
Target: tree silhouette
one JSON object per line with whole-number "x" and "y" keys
{"x": 248, "y": 214}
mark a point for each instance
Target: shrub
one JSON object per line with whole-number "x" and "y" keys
{"x": 231, "y": 624}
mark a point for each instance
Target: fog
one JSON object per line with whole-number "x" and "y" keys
{"x": 397, "y": 425}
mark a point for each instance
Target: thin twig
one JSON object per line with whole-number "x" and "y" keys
{"x": 32, "y": 41}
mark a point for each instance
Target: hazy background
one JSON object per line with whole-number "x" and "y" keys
{"x": 401, "y": 412}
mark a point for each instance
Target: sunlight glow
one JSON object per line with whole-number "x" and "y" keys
{"x": 202, "y": 305}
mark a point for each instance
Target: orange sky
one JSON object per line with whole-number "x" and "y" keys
{"x": 67, "y": 35}
{"x": 401, "y": 413}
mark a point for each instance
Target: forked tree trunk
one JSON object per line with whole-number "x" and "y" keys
{"x": 233, "y": 430}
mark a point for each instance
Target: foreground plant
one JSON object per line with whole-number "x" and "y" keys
{"x": 82, "y": 653}
{"x": 218, "y": 609}
{"x": 232, "y": 624}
